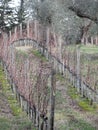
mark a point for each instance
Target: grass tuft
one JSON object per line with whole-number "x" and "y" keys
{"x": 39, "y": 55}
{"x": 84, "y": 103}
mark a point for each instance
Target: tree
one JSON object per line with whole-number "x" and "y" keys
{"x": 68, "y": 17}
{"x": 32, "y": 7}
{"x": 63, "y": 21}
{"x": 5, "y": 14}
{"x": 85, "y": 9}
{"x": 21, "y": 12}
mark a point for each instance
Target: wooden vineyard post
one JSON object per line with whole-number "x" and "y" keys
{"x": 60, "y": 48}
{"x": 28, "y": 29}
{"x": 52, "y": 100}
{"x": 10, "y": 35}
{"x": 63, "y": 67}
{"x": 78, "y": 68}
{"x": 96, "y": 41}
{"x": 15, "y": 33}
{"x": 92, "y": 41}
{"x": 35, "y": 29}
{"x": 86, "y": 40}
{"x": 47, "y": 40}
{"x": 60, "y": 53}
{"x": 21, "y": 30}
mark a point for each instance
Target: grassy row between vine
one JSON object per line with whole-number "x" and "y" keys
{"x": 83, "y": 102}
{"x": 39, "y": 55}
{"x": 66, "y": 115}
{"x": 19, "y": 120}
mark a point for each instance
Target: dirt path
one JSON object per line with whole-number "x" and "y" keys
{"x": 24, "y": 48}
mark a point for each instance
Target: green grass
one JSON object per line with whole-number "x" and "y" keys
{"x": 75, "y": 124}
{"x": 10, "y": 97}
{"x": 81, "y": 101}
{"x": 15, "y": 124}
{"x": 19, "y": 120}
{"x": 85, "y": 105}
{"x": 39, "y": 55}
{"x": 73, "y": 92}
{"x": 80, "y": 125}
{"x": 5, "y": 124}
{"x": 59, "y": 98}
{"x": 59, "y": 77}
{"x": 23, "y": 53}
{"x": 20, "y": 54}
{"x": 89, "y": 49}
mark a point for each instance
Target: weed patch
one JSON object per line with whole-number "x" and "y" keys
{"x": 19, "y": 120}
{"x": 39, "y": 55}
{"x": 82, "y": 102}
{"x": 80, "y": 125}
{"x": 59, "y": 77}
